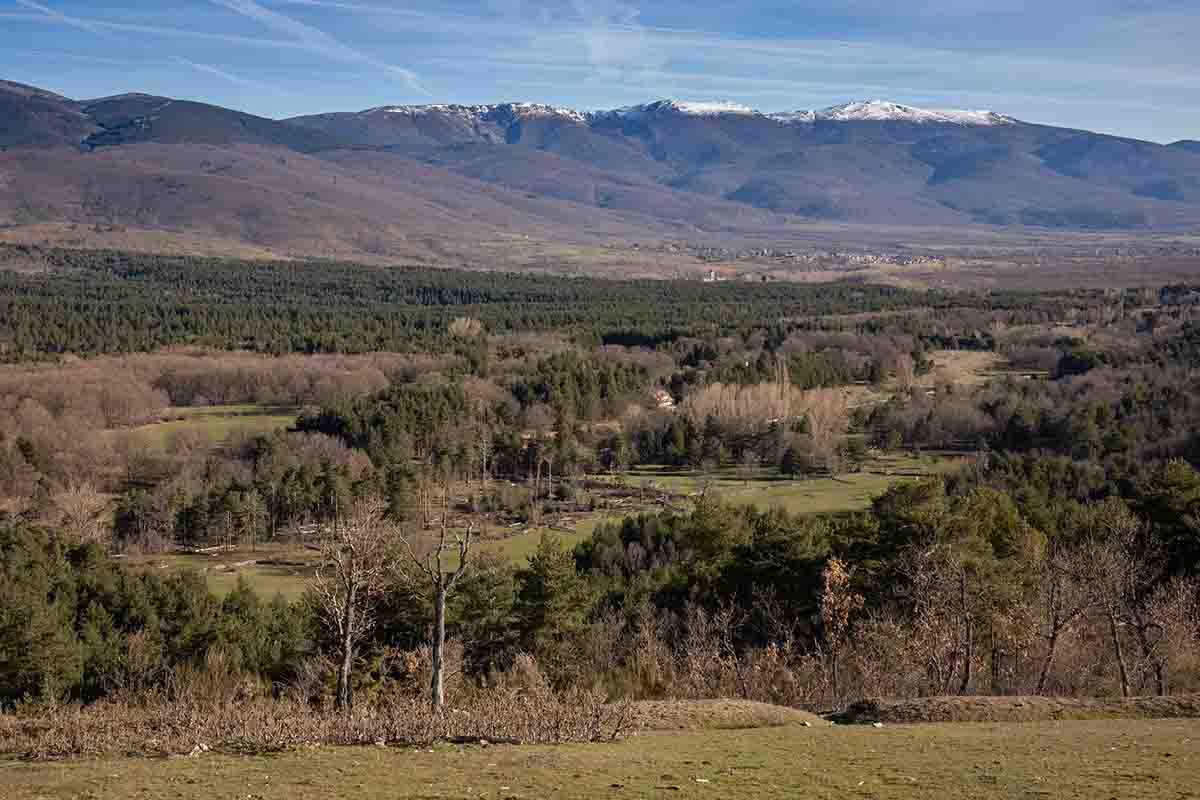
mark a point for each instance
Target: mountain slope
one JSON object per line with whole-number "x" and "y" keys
{"x": 128, "y": 119}
{"x": 427, "y": 181}
{"x": 870, "y": 162}
{"x": 31, "y": 117}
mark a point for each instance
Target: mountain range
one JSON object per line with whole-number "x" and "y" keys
{"x": 439, "y": 181}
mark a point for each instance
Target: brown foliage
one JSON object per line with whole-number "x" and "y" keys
{"x": 195, "y": 718}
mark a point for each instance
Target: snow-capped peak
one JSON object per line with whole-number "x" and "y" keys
{"x": 712, "y": 108}
{"x": 484, "y": 111}
{"x": 859, "y": 111}
{"x": 885, "y": 111}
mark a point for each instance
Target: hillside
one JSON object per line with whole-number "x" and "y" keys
{"x": 460, "y": 184}
{"x": 38, "y": 118}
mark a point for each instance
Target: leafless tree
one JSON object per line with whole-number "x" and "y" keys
{"x": 1069, "y": 590}
{"x": 83, "y": 514}
{"x": 354, "y": 556}
{"x": 433, "y": 567}
{"x": 906, "y": 374}
{"x": 1119, "y": 572}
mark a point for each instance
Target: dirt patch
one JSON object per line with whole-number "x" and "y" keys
{"x": 1017, "y": 709}
{"x": 695, "y": 715}
{"x": 962, "y": 368}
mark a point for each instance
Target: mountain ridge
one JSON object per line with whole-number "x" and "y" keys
{"x": 404, "y": 180}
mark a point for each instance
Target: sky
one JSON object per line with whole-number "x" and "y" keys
{"x": 1129, "y": 67}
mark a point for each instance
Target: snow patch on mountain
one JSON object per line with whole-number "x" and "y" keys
{"x": 489, "y": 113}
{"x": 794, "y": 117}
{"x": 859, "y": 111}
{"x": 885, "y": 111}
{"x": 713, "y": 108}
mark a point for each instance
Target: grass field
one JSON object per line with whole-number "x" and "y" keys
{"x": 848, "y": 492}
{"x": 851, "y": 492}
{"x": 963, "y": 368}
{"x": 519, "y": 547}
{"x": 1060, "y": 760}
{"x": 268, "y": 580}
{"x": 213, "y": 425}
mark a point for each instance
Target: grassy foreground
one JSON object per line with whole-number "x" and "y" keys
{"x": 1107, "y": 759}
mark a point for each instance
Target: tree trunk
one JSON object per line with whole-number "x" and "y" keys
{"x": 1118, "y": 652}
{"x": 345, "y": 691}
{"x": 837, "y": 678}
{"x": 969, "y": 631}
{"x": 1048, "y": 662}
{"x": 437, "y": 680}
{"x": 1140, "y": 626}
{"x": 968, "y": 656}
{"x": 1160, "y": 682}
{"x": 997, "y": 665}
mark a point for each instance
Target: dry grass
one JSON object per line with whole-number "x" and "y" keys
{"x": 963, "y": 368}
{"x": 163, "y": 727}
{"x": 1149, "y": 760}
{"x": 1019, "y": 709}
{"x": 707, "y": 715}
{"x": 134, "y": 240}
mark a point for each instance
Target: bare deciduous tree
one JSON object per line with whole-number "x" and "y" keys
{"x": 354, "y": 557}
{"x": 83, "y": 514}
{"x": 432, "y": 566}
{"x": 1068, "y": 591}
{"x": 906, "y": 373}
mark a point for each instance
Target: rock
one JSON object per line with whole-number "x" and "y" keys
{"x": 876, "y": 724}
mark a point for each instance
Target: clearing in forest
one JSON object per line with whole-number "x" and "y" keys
{"x": 214, "y": 425}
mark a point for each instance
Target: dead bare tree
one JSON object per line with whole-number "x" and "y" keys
{"x": 83, "y": 514}
{"x": 1117, "y": 566}
{"x": 441, "y": 582}
{"x": 354, "y": 557}
{"x": 1068, "y": 592}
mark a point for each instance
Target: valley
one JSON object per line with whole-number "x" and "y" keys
{"x": 460, "y": 400}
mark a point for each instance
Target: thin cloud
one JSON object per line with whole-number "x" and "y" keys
{"x": 63, "y": 19}
{"x": 220, "y": 73}
{"x": 102, "y": 27}
{"x": 315, "y": 40}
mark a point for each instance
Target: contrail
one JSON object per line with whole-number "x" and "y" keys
{"x": 315, "y": 40}
{"x": 58, "y": 16}
{"x": 106, "y": 29}
{"x": 220, "y": 73}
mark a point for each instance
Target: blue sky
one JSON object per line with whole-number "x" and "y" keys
{"x": 1123, "y": 66}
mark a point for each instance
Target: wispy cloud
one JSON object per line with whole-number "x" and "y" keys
{"x": 223, "y": 74}
{"x": 1080, "y": 62}
{"x": 101, "y": 27}
{"x": 315, "y": 40}
{"x": 64, "y": 19}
